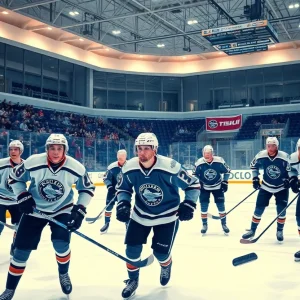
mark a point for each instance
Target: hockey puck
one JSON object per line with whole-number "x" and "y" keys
{"x": 244, "y": 259}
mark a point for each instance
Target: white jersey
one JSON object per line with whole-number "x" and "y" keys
{"x": 52, "y": 190}
{"x": 295, "y": 164}
{"x": 7, "y": 196}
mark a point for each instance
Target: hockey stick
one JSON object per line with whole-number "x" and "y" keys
{"x": 93, "y": 220}
{"x": 13, "y": 227}
{"x": 139, "y": 264}
{"x": 245, "y": 241}
{"x": 220, "y": 218}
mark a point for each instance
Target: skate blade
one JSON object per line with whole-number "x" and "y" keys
{"x": 226, "y": 233}
{"x": 280, "y": 242}
{"x": 129, "y": 296}
{"x": 203, "y": 234}
{"x": 103, "y": 232}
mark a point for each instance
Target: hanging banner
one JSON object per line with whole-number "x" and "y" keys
{"x": 221, "y": 124}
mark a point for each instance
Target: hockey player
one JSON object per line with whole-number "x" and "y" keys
{"x": 209, "y": 170}
{"x": 110, "y": 179}
{"x": 52, "y": 175}
{"x": 156, "y": 180}
{"x": 7, "y": 198}
{"x": 276, "y": 167}
{"x": 295, "y": 186}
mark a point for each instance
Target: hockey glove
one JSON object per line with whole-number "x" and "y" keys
{"x": 294, "y": 183}
{"x": 26, "y": 203}
{"x": 186, "y": 210}
{"x": 286, "y": 183}
{"x": 77, "y": 215}
{"x": 224, "y": 186}
{"x": 256, "y": 183}
{"x": 201, "y": 185}
{"x": 123, "y": 211}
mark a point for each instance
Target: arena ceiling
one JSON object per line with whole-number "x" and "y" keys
{"x": 140, "y": 26}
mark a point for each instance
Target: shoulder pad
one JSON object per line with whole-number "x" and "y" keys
{"x": 75, "y": 165}
{"x": 218, "y": 159}
{"x": 4, "y": 161}
{"x": 200, "y": 161}
{"x": 113, "y": 165}
{"x": 262, "y": 154}
{"x": 283, "y": 155}
{"x": 35, "y": 160}
{"x": 167, "y": 164}
{"x": 131, "y": 164}
{"x": 294, "y": 158}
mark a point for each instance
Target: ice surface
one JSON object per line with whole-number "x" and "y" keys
{"x": 202, "y": 266}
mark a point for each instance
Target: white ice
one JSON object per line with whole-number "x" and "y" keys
{"x": 202, "y": 266}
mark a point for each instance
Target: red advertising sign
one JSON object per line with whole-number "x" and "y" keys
{"x": 221, "y": 124}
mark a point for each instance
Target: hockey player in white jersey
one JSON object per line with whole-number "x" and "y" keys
{"x": 295, "y": 186}
{"x": 110, "y": 179}
{"x": 8, "y": 200}
{"x": 156, "y": 180}
{"x": 51, "y": 175}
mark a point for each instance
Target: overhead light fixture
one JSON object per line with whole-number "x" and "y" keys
{"x": 116, "y": 32}
{"x": 294, "y": 5}
{"x": 49, "y": 28}
{"x": 81, "y": 40}
{"x": 73, "y": 13}
{"x": 5, "y": 12}
{"x": 160, "y": 45}
{"x": 192, "y": 22}
{"x": 272, "y": 46}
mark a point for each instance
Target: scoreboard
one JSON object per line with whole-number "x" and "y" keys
{"x": 242, "y": 38}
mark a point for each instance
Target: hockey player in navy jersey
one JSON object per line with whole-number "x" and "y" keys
{"x": 110, "y": 179}
{"x": 155, "y": 180}
{"x": 209, "y": 169}
{"x": 8, "y": 200}
{"x": 51, "y": 175}
{"x": 276, "y": 167}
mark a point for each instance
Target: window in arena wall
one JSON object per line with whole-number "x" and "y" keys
{"x": 256, "y": 95}
{"x": 33, "y": 70}
{"x": 273, "y": 75}
{"x": 190, "y": 91}
{"x": 238, "y": 88}
{"x": 66, "y": 82}
{"x": 80, "y": 86}
{"x": 50, "y": 78}
{"x": 153, "y": 100}
{"x": 290, "y": 73}
{"x": 171, "y": 93}
{"x": 116, "y": 99}
{"x": 2, "y": 80}
{"x": 100, "y": 98}
{"x": 205, "y": 92}
{"x": 2, "y": 54}
{"x": 291, "y": 91}
{"x": 273, "y": 94}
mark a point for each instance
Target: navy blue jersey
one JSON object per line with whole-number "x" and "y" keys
{"x": 110, "y": 177}
{"x": 210, "y": 173}
{"x": 276, "y": 169}
{"x": 156, "y": 190}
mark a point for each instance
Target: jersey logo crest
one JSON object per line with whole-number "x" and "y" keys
{"x": 7, "y": 186}
{"x": 151, "y": 194}
{"x": 273, "y": 172}
{"x": 210, "y": 174}
{"x": 51, "y": 190}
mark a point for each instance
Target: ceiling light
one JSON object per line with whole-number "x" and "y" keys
{"x": 106, "y": 49}
{"x": 183, "y": 57}
{"x": 76, "y": 13}
{"x": 5, "y": 12}
{"x": 192, "y": 22}
{"x": 160, "y": 45}
{"x": 81, "y": 40}
{"x": 72, "y": 13}
{"x": 116, "y": 32}
{"x": 291, "y": 6}
{"x": 272, "y": 46}
{"x": 49, "y": 28}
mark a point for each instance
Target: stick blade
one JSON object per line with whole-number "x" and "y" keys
{"x": 92, "y": 220}
{"x": 244, "y": 259}
{"x": 213, "y": 217}
{"x": 145, "y": 262}
{"x": 244, "y": 241}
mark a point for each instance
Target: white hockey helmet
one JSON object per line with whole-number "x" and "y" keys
{"x": 17, "y": 144}
{"x": 208, "y": 148}
{"x": 57, "y": 139}
{"x": 298, "y": 145}
{"x": 122, "y": 151}
{"x": 147, "y": 139}
{"x": 272, "y": 140}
